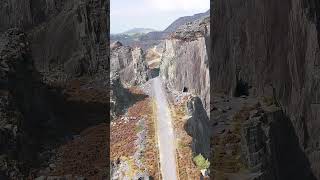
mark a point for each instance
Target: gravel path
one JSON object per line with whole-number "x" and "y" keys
{"x": 165, "y": 133}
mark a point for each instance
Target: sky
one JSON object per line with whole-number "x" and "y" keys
{"x": 155, "y": 14}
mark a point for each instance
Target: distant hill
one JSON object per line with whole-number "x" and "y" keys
{"x": 146, "y": 37}
{"x": 138, "y": 31}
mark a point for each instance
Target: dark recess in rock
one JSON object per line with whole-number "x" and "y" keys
{"x": 242, "y": 88}
{"x": 185, "y": 89}
{"x": 288, "y": 160}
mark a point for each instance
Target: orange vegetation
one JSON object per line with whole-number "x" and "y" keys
{"x": 123, "y": 135}
{"x": 187, "y": 169}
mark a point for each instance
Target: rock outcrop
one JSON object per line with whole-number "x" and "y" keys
{"x": 70, "y": 34}
{"x": 271, "y": 48}
{"x": 129, "y": 63}
{"x": 78, "y": 44}
{"x": 118, "y": 96}
{"x": 184, "y": 64}
{"x": 13, "y": 53}
{"x": 197, "y": 127}
{"x": 268, "y": 140}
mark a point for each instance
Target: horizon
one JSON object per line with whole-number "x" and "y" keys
{"x": 133, "y": 29}
{"x": 151, "y": 14}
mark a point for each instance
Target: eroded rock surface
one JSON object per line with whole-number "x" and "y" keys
{"x": 70, "y": 34}
{"x": 271, "y": 48}
{"x": 67, "y": 43}
{"x": 129, "y": 63}
{"x": 197, "y": 127}
{"x": 13, "y": 53}
{"x": 184, "y": 62}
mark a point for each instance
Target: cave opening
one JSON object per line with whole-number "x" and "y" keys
{"x": 242, "y": 88}
{"x": 185, "y": 89}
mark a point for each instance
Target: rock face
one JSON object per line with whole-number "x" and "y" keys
{"x": 184, "y": 63}
{"x": 129, "y": 63}
{"x": 118, "y": 96}
{"x": 79, "y": 43}
{"x": 28, "y": 13}
{"x": 63, "y": 40}
{"x": 268, "y": 140}
{"x": 70, "y": 34}
{"x": 197, "y": 127}
{"x": 271, "y": 47}
{"x": 13, "y": 53}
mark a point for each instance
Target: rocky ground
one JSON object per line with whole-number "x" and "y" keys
{"x": 187, "y": 168}
{"x": 82, "y": 104}
{"x": 134, "y": 153}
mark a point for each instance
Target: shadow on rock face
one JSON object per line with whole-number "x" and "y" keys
{"x": 242, "y": 88}
{"x": 197, "y": 126}
{"x": 121, "y": 98}
{"x": 128, "y": 100}
{"x": 289, "y": 160}
{"x": 154, "y": 72}
{"x": 3, "y": 176}
{"x": 53, "y": 117}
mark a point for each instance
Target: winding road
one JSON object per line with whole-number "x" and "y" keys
{"x": 167, "y": 149}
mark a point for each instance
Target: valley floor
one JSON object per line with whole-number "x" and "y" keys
{"x": 134, "y": 151}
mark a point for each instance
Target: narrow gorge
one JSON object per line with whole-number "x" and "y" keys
{"x": 230, "y": 93}
{"x": 243, "y": 90}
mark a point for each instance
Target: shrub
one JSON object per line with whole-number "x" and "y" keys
{"x": 201, "y": 162}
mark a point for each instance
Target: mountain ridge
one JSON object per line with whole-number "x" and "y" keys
{"x": 147, "y": 40}
{"x": 138, "y": 31}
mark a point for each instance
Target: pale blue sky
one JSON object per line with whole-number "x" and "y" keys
{"x": 156, "y": 14}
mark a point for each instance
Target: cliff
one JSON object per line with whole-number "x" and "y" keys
{"x": 16, "y": 75}
{"x": 129, "y": 63}
{"x": 184, "y": 61}
{"x": 271, "y": 48}
{"x": 70, "y": 34}
{"x": 53, "y": 85}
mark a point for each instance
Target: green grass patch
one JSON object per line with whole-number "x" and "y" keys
{"x": 201, "y": 162}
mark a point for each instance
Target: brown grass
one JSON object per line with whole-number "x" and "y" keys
{"x": 74, "y": 93}
{"x": 123, "y": 136}
{"x": 187, "y": 169}
{"x": 86, "y": 156}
